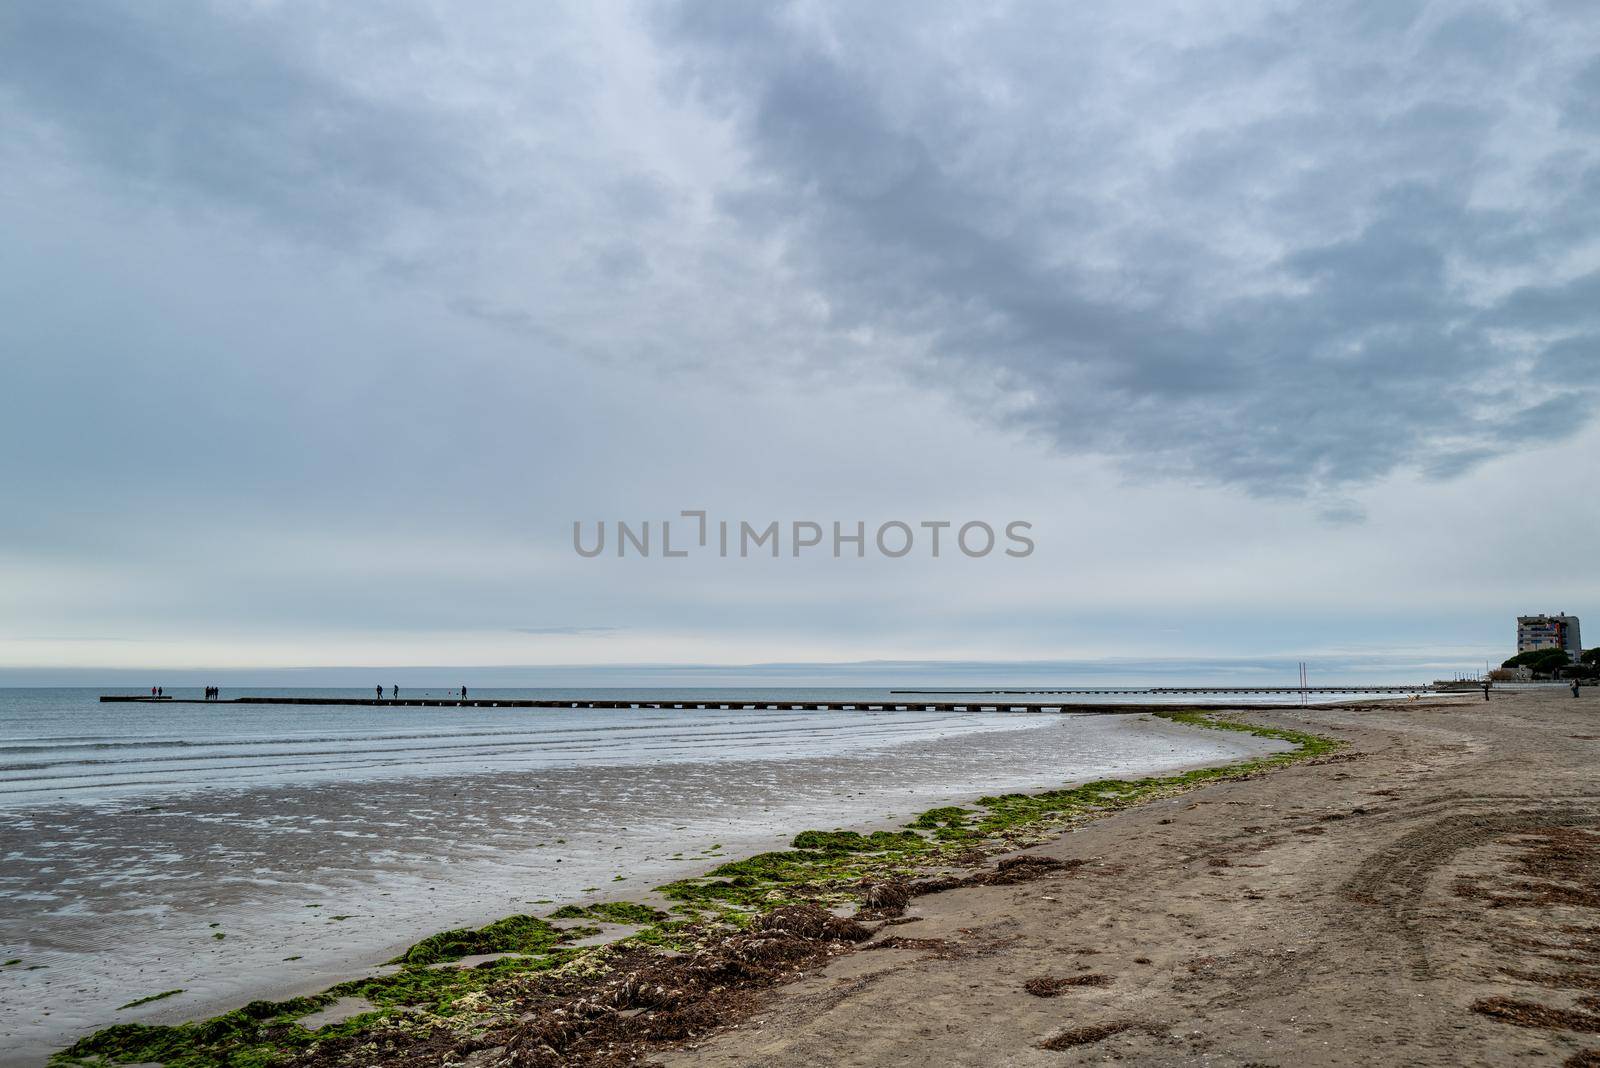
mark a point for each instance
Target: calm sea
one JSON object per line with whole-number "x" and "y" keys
{"x": 64, "y": 746}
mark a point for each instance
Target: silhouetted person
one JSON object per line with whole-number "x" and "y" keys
{"x": 1485, "y": 689}
{"x": 380, "y": 692}
{"x": 464, "y": 693}
{"x": 1574, "y": 687}
{"x": 397, "y": 691}
{"x": 160, "y": 692}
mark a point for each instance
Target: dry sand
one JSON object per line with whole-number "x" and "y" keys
{"x": 1434, "y": 899}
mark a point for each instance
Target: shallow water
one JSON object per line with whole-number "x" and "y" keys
{"x": 338, "y": 835}
{"x": 63, "y": 746}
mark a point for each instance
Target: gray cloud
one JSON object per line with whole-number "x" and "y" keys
{"x": 1290, "y": 250}
{"x": 236, "y": 106}
{"x": 335, "y": 316}
{"x": 1246, "y": 259}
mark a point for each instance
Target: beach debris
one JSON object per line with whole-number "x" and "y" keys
{"x": 1083, "y": 1036}
{"x": 603, "y": 1009}
{"x": 938, "y": 884}
{"x": 941, "y": 946}
{"x": 812, "y": 922}
{"x": 1049, "y": 986}
{"x": 1011, "y": 870}
{"x": 1532, "y": 1014}
{"x": 1024, "y": 868}
{"x": 883, "y": 899}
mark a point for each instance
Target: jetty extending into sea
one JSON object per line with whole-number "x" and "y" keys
{"x": 898, "y": 701}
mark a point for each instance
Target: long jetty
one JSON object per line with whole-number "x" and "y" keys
{"x": 899, "y": 700}
{"x": 1184, "y": 690}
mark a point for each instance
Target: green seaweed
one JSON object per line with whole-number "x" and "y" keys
{"x": 610, "y": 912}
{"x": 514, "y": 934}
{"x": 851, "y": 842}
{"x": 949, "y": 823}
{"x": 147, "y": 1000}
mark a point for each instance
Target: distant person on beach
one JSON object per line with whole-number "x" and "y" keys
{"x": 1574, "y": 687}
{"x": 1485, "y": 689}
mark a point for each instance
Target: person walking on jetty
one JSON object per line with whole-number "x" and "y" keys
{"x": 464, "y": 692}
{"x": 396, "y": 694}
{"x": 380, "y": 692}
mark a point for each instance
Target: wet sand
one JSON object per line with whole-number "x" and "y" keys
{"x": 1427, "y": 898}
{"x": 313, "y": 883}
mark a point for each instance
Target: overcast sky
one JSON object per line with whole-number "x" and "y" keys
{"x": 320, "y": 325}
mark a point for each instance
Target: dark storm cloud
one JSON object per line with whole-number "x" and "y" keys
{"x": 1289, "y": 248}
{"x": 938, "y": 177}
{"x": 233, "y": 105}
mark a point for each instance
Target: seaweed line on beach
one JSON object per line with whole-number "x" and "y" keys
{"x": 743, "y": 926}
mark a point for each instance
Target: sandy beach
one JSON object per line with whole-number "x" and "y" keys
{"x": 1427, "y": 900}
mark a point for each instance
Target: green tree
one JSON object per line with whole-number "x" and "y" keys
{"x": 1540, "y": 661}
